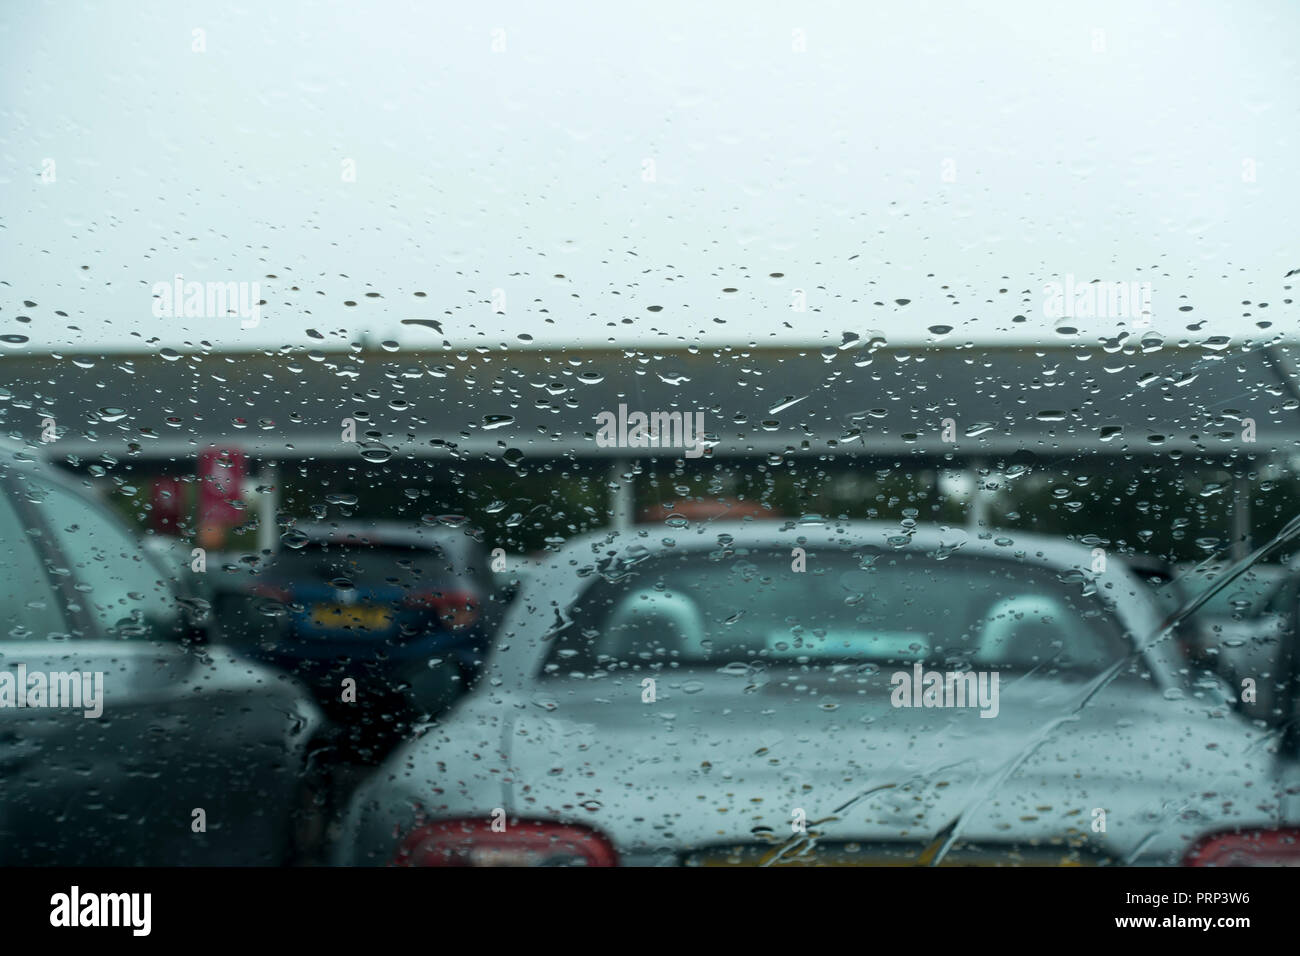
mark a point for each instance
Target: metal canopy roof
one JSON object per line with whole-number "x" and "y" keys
{"x": 1123, "y": 398}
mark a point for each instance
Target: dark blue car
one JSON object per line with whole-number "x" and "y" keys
{"x": 386, "y": 623}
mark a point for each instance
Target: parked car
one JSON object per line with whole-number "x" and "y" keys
{"x": 1237, "y": 634}
{"x": 1265, "y": 649}
{"x": 770, "y": 693}
{"x": 386, "y": 623}
{"x": 126, "y": 737}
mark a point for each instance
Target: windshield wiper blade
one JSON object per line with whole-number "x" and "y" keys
{"x": 947, "y": 834}
{"x": 1190, "y": 607}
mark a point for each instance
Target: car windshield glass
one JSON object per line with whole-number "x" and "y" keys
{"x": 345, "y": 565}
{"x": 693, "y": 608}
{"x": 389, "y": 389}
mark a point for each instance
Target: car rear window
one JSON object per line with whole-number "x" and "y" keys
{"x": 358, "y": 565}
{"x": 696, "y": 608}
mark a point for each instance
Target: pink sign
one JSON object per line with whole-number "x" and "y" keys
{"x": 221, "y": 481}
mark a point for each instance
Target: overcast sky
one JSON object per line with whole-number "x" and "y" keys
{"x": 957, "y": 156}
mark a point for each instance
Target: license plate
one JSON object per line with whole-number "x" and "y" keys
{"x": 355, "y": 617}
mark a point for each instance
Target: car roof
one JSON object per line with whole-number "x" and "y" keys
{"x": 1005, "y": 544}
{"x": 555, "y": 581}
{"x": 382, "y": 533}
{"x": 33, "y": 457}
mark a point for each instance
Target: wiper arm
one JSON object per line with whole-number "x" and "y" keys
{"x": 947, "y": 834}
{"x": 1287, "y": 534}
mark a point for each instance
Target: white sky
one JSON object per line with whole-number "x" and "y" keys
{"x": 479, "y": 170}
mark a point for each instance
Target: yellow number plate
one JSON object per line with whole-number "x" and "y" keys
{"x": 356, "y": 617}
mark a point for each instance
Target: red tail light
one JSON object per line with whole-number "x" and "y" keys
{"x": 273, "y": 592}
{"x": 521, "y": 843}
{"x": 1247, "y": 848}
{"x": 456, "y": 609}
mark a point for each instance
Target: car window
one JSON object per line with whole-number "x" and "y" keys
{"x": 30, "y": 608}
{"x": 125, "y": 594}
{"x": 347, "y": 565}
{"x": 696, "y": 609}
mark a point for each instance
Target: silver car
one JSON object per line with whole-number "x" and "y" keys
{"x": 784, "y": 693}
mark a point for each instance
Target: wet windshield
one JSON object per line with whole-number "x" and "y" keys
{"x": 553, "y": 434}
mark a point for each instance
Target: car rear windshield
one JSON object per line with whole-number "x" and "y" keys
{"x": 354, "y": 565}
{"x": 695, "y": 608}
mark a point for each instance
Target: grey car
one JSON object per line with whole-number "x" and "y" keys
{"x": 773, "y": 693}
{"x": 125, "y": 737}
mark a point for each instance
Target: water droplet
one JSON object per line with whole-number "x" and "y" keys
{"x": 293, "y": 539}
